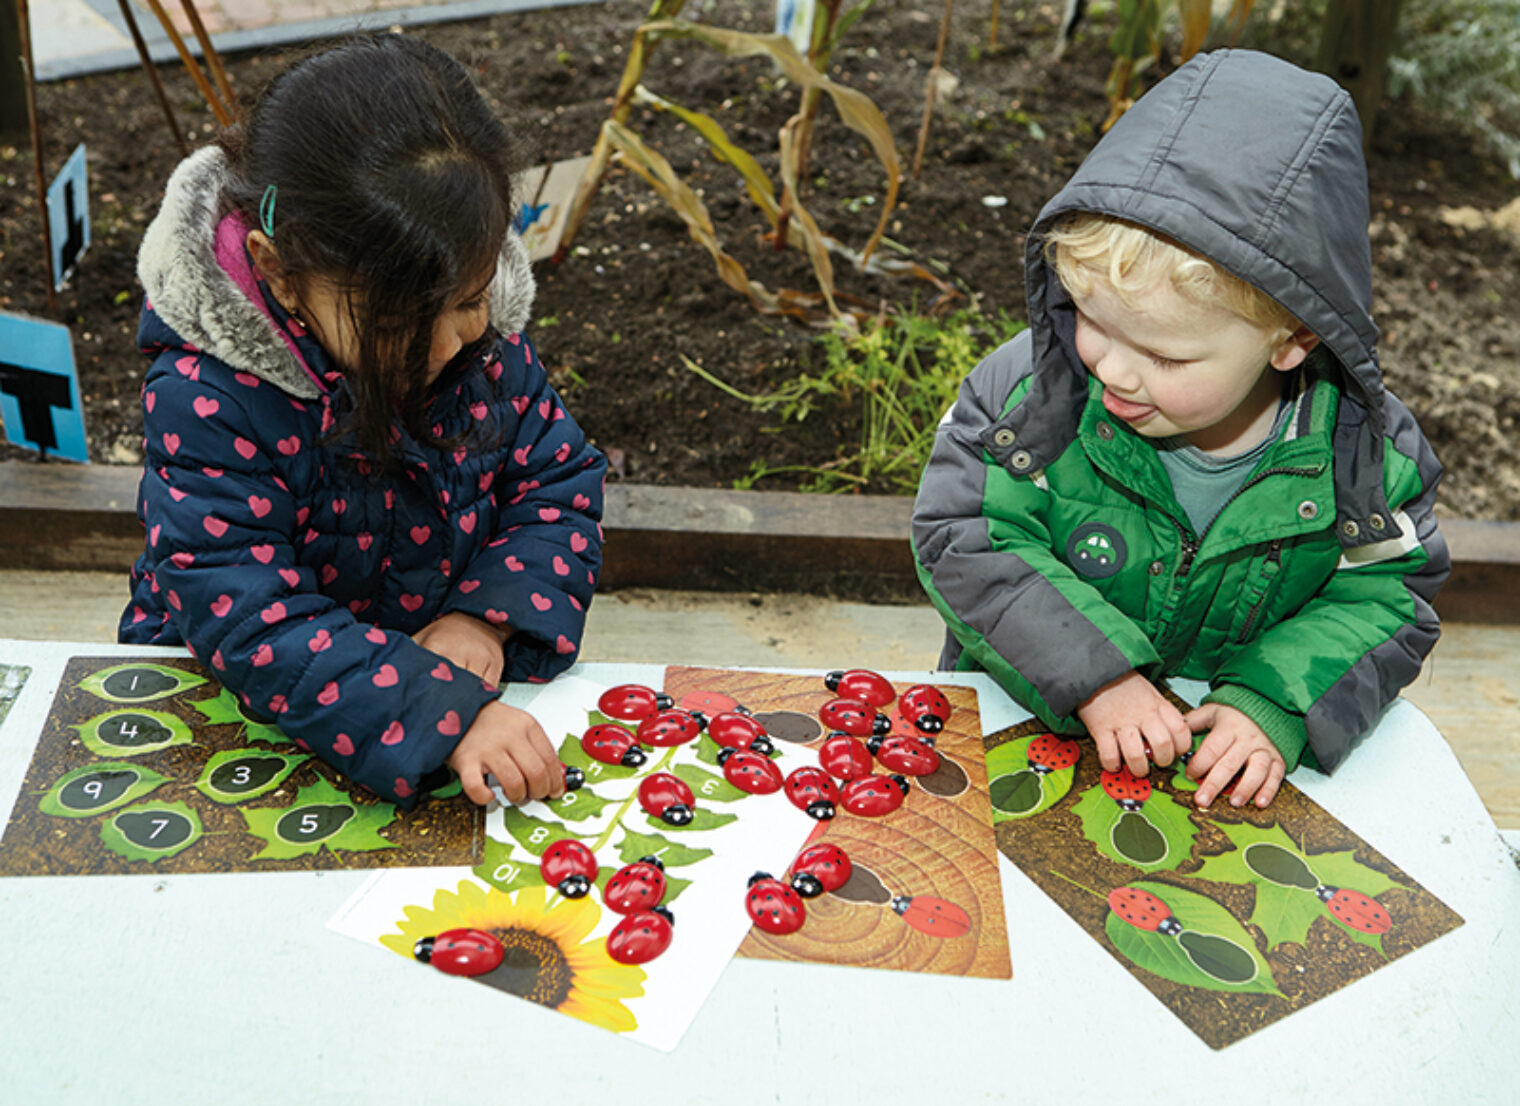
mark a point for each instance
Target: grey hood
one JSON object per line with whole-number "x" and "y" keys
{"x": 203, "y": 294}
{"x": 1257, "y": 165}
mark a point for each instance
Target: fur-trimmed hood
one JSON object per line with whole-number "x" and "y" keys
{"x": 201, "y": 289}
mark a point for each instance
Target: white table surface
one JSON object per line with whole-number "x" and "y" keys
{"x": 226, "y": 989}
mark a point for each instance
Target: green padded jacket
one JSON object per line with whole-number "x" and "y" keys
{"x": 1046, "y": 532}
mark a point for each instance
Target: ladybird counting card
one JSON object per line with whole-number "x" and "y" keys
{"x": 620, "y": 903}
{"x": 146, "y": 765}
{"x": 1233, "y": 918}
{"x": 923, "y": 893}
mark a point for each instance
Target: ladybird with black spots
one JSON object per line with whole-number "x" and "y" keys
{"x": 819, "y": 868}
{"x": 633, "y": 702}
{"x": 1134, "y": 836}
{"x": 668, "y": 798}
{"x": 869, "y": 687}
{"x": 750, "y": 772}
{"x": 906, "y": 755}
{"x": 466, "y": 952}
{"x": 926, "y": 707}
{"x": 669, "y": 727}
{"x": 934, "y": 916}
{"x": 845, "y": 757}
{"x": 641, "y": 937}
{"x": 773, "y": 906}
{"x": 812, "y": 791}
{"x": 636, "y": 887}
{"x": 568, "y": 866}
{"x": 853, "y": 717}
{"x": 1210, "y": 953}
{"x": 732, "y": 730}
{"x": 612, "y": 744}
{"x": 873, "y": 796}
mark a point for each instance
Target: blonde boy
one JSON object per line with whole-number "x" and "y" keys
{"x": 1188, "y": 465}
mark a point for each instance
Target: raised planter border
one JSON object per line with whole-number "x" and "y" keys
{"x": 58, "y": 517}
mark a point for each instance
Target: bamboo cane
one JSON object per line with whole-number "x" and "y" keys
{"x": 207, "y": 92}
{"x": 152, "y": 71}
{"x": 932, "y": 90}
{"x": 27, "y": 64}
{"x": 213, "y": 59}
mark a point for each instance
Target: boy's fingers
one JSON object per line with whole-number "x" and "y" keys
{"x": 1132, "y": 745}
{"x": 1275, "y": 773}
{"x": 510, "y": 779}
{"x": 1200, "y": 718}
{"x": 1251, "y": 778}
{"x": 1219, "y": 777}
{"x": 1108, "y": 751}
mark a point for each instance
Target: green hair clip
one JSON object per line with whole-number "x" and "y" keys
{"x": 266, "y": 211}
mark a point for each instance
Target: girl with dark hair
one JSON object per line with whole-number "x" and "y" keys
{"x": 365, "y": 506}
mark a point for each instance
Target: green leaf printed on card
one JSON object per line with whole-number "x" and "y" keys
{"x": 139, "y": 682}
{"x": 534, "y": 834}
{"x": 1157, "y": 835}
{"x": 707, "y": 787}
{"x": 320, "y": 817}
{"x": 151, "y": 831}
{"x": 97, "y": 788}
{"x": 1016, "y": 789}
{"x": 1206, "y": 948}
{"x": 635, "y": 846}
{"x": 131, "y": 733}
{"x": 233, "y": 775}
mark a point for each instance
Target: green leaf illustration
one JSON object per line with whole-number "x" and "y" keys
{"x": 321, "y": 817}
{"x": 220, "y": 710}
{"x": 1286, "y": 902}
{"x": 448, "y": 790}
{"x": 1016, "y": 789}
{"x": 130, "y": 733}
{"x": 151, "y": 831}
{"x": 701, "y": 819}
{"x": 97, "y": 788}
{"x": 139, "y": 682}
{"x": 1158, "y": 835}
{"x": 707, "y": 752}
{"x": 577, "y": 806}
{"x": 570, "y": 752}
{"x": 498, "y": 867}
{"x": 1212, "y": 951}
{"x": 534, "y": 834}
{"x": 707, "y": 787}
{"x": 633, "y": 846}
{"x": 233, "y": 775}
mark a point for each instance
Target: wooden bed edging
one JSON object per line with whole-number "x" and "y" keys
{"x": 60, "y": 517}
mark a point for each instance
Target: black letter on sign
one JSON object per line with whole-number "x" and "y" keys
{"x": 36, "y": 393}
{"x": 71, "y": 244}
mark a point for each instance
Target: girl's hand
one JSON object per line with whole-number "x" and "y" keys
{"x": 510, "y": 745}
{"x": 468, "y": 642}
{"x": 1235, "y": 745}
{"x": 1132, "y": 723}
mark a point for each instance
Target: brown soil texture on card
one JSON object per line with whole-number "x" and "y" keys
{"x": 437, "y": 832}
{"x": 1050, "y": 847}
{"x": 615, "y": 319}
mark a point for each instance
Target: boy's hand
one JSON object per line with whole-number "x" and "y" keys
{"x": 1235, "y": 745}
{"x": 470, "y": 643}
{"x": 510, "y": 745}
{"x": 1129, "y": 716}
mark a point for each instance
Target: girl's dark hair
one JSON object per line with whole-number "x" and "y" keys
{"x": 394, "y": 180}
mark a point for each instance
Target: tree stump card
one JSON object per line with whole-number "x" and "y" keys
{"x": 1233, "y": 918}
{"x": 924, "y": 894}
{"x": 147, "y": 765}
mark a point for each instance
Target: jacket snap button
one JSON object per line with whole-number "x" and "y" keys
{"x": 1350, "y": 528}
{"x": 1157, "y": 568}
{"x": 1308, "y": 509}
{"x": 1021, "y": 459}
{"x": 1105, "y": 432}
{"x": 1377, "y": 522}
{"x": 1004, "y": 437}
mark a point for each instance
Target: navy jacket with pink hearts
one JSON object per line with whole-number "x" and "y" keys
{"x": 293, "y": 568}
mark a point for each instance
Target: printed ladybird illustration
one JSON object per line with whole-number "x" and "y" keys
{"x": 1287, "y": 869}
{"x": 1049, "y": 753}
{"x": 936, "y": 917}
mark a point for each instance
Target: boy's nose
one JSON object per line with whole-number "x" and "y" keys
{"x": 1115, "y": 371}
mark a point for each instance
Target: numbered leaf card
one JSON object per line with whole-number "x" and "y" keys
{"x": 12, "y": 680}
{"x": 147, "y": 765}
{"x": 1232, "y": 918}
{"x": 923, "y": 892}
{"x": 621, "y": 903}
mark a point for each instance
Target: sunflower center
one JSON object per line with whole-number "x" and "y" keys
{"x": 533, "y": 968}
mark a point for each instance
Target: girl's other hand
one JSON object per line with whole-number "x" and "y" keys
{"x": 467, "y": 641}
{"x": 509, "y": 744}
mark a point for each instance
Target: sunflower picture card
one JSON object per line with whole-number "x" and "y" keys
{"x": 552, "y": 908}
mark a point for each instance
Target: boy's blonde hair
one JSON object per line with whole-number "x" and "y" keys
{"x": 1133, "y": 259}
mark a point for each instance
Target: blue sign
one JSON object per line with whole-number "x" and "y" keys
{"x": 68, "y": 202}
{"x": 39, "y": 388}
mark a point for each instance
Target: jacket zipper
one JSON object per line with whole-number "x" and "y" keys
{"x": 1274, "y": 558}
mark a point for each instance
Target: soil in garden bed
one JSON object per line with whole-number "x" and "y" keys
{"x": 637, "y": 295}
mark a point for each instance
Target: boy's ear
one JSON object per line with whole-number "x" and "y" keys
{"x": 1289, "y": 354}
{"x": 266, "y": 259}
